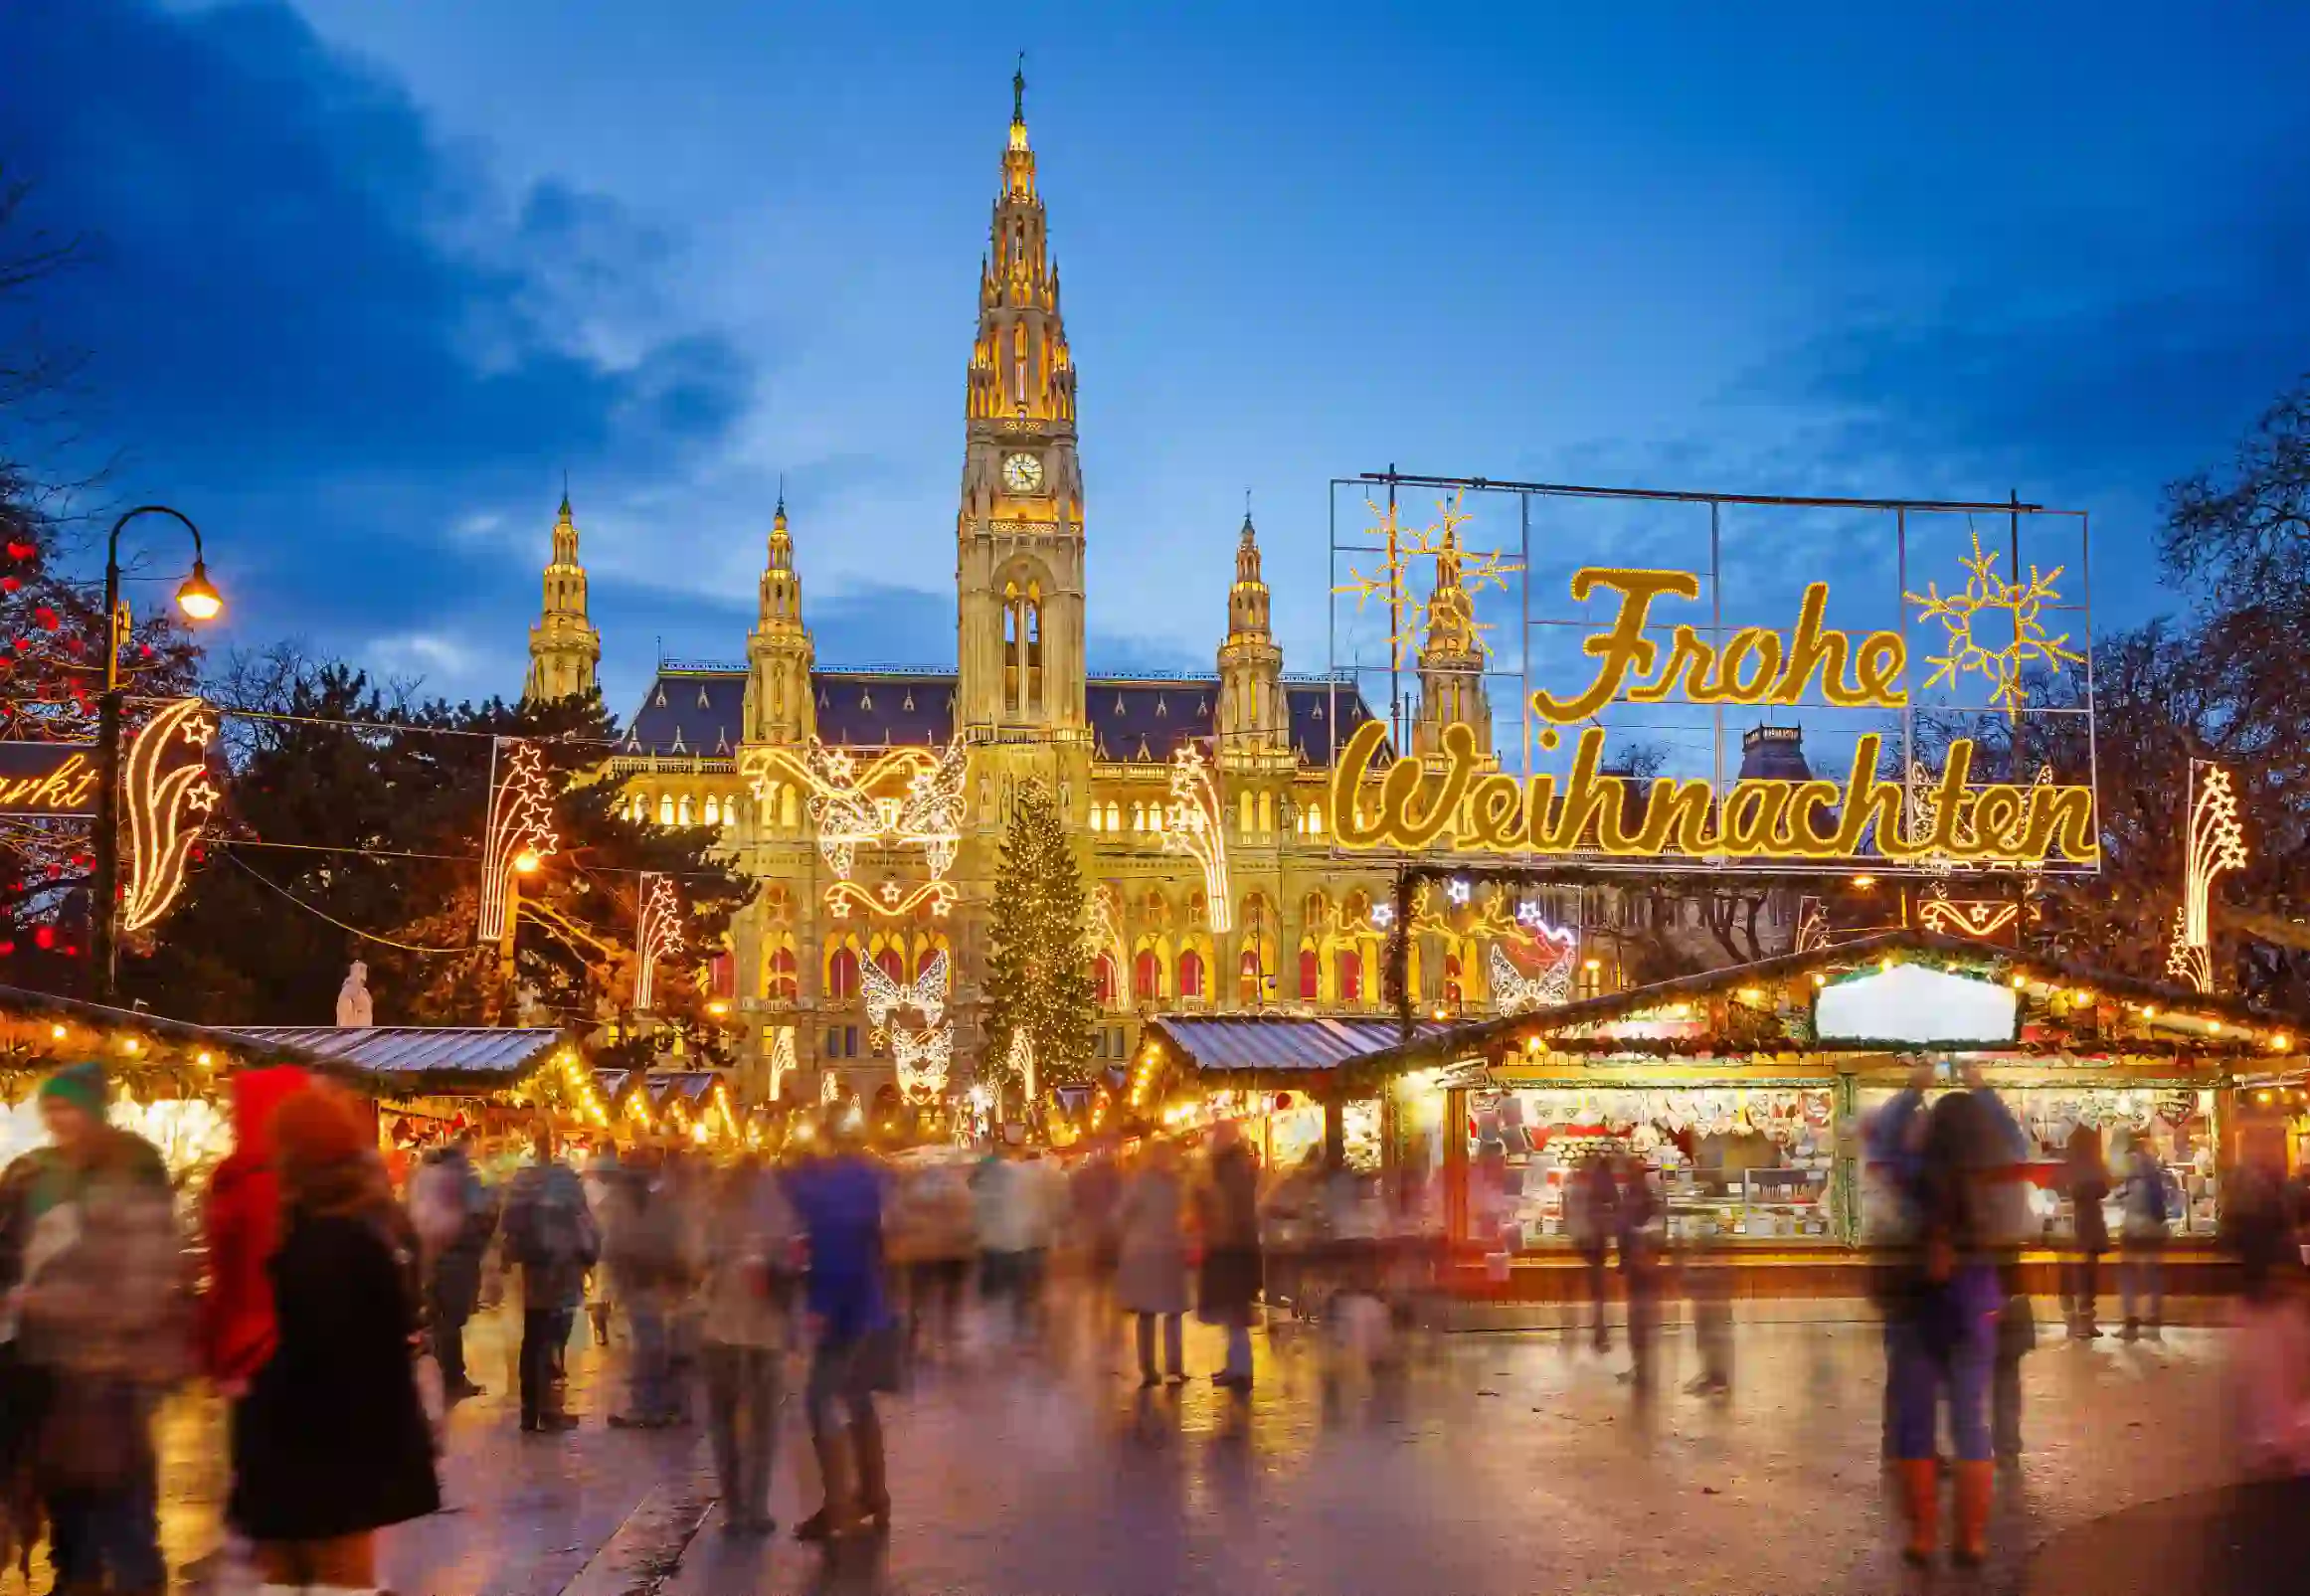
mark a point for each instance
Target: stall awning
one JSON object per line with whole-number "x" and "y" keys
{"x": 1736, "y": 1011}
{"x": 691, "y": 1086}
{"x": 414, "y": 1058}
{"x": 1263, "y": 1049}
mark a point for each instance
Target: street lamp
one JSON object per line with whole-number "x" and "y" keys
{"x": 199, "y": 601}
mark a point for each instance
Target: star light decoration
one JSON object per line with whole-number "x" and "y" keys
{"x": 1460, "y": 576}
{"x": 657, "y": 935}
{"x": 1194, "y": 825}
{"x": 2217, "y": 844}
{"x": 1988, "y": 593}
{"x": 521, "y": 821}
{"x": 924, "y": 1050}
{"x": 165, "y": 797}
{"x": 782, "y": 1059}
{"x": 1103, "y": 934}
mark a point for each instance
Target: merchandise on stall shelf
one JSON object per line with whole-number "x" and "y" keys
{"x": 1747, "y": 1162}
{"x": 2177, "y": 1122}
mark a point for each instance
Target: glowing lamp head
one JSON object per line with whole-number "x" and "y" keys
{"x": 698, "y": 1135}
{"x": 2279, "y": 1041}
{"x": 1865, "y": 882}
{"x": 718, "y": 1008}
{"x": 526, "y": 861}
{"x": 1592, "y": 964}
{"x": 198, "y": 597}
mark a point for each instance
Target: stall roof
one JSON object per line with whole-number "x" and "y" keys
{"x": 414, "y": 1056}
{"x": 2181, "y": 1012}
{"x": 380, "y": 1058}
{"x": 691, "y": 1084}
{"x": 1277, "y": 1045}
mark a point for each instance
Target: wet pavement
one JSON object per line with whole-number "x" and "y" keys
{"x": 1497, "y": 1463}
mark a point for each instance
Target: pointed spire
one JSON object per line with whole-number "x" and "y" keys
{"x": 565, "y": 511}
{"x": 1019, "y": 105}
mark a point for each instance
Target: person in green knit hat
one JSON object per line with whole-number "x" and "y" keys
{"x": 98, "y": 1315}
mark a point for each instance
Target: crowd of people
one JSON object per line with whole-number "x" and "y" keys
{"x": 331, "y": 1310}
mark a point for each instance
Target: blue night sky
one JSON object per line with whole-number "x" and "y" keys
{"x": 365, "y": 277}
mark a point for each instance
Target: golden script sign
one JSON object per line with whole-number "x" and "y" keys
{"x": 1462, "y": 801}
{"x": 48, "y": 779}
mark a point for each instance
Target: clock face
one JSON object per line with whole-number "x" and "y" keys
{"x": 1022, "y": 473}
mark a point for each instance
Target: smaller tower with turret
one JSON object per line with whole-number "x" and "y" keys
{"x": 779, "y": 652}
{"x": 1451, "y": 660}
{"x": 565, "y": 650}
{"x": 1254, "y": 721}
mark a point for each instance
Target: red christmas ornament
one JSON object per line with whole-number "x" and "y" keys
{"x": 22, "y": 551}
{"x": 75, "y": 645}
{"x": 44, "y": 937}
{"x": 144, "y": 652}
{"x": 47, "y": 618}
{"x": 9, "y": 584}
{"x": 24, "y": 646}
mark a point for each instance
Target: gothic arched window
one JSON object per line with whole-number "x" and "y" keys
{"x": 1310, "y": 975}
{"x": 1190, "y": 974}
{"x": 843, "y": 974}
{"x": 1103, "y": 979}
{"x": 665, "y": 808}
{"x": 1350, "y": 976}
{"x": 1114, "y": 816}
{"x": 1147, "y": 973}
{"x": 683, "y": 809}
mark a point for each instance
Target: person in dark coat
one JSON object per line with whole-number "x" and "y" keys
{"x": 456, "y": 1220}
{"x": 1227, "y": 1212}
{"x": 2085, "y": 1175}
{"x": 336, "y": 1444}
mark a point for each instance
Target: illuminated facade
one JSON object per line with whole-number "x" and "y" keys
{"x": 847, "y": 843}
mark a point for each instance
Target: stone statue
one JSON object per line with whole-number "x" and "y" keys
{"x": 353, "y": 1004}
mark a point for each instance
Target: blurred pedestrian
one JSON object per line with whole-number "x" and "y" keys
{"x": 1227, "y": 1218}
{"x": 601, "y": 1176}
{"x": 1944, "y": 1308}
{"x": 92, "y": 1259}
{"x": 549, "y": 1235}
{"x": 454, "y": 1219}
{"x": 241, "y": 1219}
{"x": 2144, "y": 1209}
{"x": 337, "y": 1442}
{"x": 750, "y": 1243}
{"x": 641, "y": 1253}
{"x": 2085, "y": 1178}
{"x": 1591, "y": 1220}
{"x": 1709, "y": 1288}
{"x": 838, "y": 1200}
{"x": 1151, "y": 1280}
{"x": 932, "y": 1238}
{"x": 1635, "y": 1214}
{"x": 1005, "y": 1199}
{"x": 2269, "y": 1368}
{"x": 2007, "y": 1224}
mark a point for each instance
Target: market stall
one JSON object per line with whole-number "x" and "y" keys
{"x": 1278, "y": 1076}
{"x": 1746, "y": 1094}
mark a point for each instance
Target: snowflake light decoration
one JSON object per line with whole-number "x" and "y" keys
{"x": 1461, "y": 575}
{"x": 2217, "y": 844}
{"x": 1960, "y": 615}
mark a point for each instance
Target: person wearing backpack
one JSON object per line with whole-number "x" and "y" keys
{"x": 449, "y": 1207}
{"x": 550, "y": 1237}
{"x": 2141, "y": 1274}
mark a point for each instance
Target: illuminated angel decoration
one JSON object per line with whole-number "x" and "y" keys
{"x": 1515, "y": 992}
{"x": 920, "y": 1051}
{"x": 657, "y": 935}
{"x": 166, "y": 796}
{"x": 2217, "y": 844}
{"x": 1987, "y": 593}
{"x": 1448, "y": 614}
{"x": 521, "y": 821}
{"x": 854, "y": 806}
{"x": 1194, "y": 825}
{"x": 931, "y": 817}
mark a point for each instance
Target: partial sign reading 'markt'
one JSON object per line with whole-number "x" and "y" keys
{"x": 1468, "y": 805}
{"x": 48, "y": 779}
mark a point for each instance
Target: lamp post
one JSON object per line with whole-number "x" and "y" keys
{"x": 200, "y": 602}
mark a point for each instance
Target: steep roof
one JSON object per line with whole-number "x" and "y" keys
{"x": 701, "y": 711}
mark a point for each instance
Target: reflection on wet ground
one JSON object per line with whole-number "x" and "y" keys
{"x": 1505, "y": 1462}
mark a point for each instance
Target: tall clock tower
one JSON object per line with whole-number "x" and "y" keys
{"x": 1019, "y": 533}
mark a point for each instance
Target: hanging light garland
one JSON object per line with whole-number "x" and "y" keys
{"x": 164, "y": 801}
{"x": 2217, "y": 844}
{"x": 1193, "y": 825}
{"x": 521, "y": 816}
{"x": 657, "y": 935}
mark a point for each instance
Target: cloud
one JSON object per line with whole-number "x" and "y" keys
{"x": 326, "y": 330}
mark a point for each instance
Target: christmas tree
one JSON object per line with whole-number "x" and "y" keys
{"x": 1038, "y": 978}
